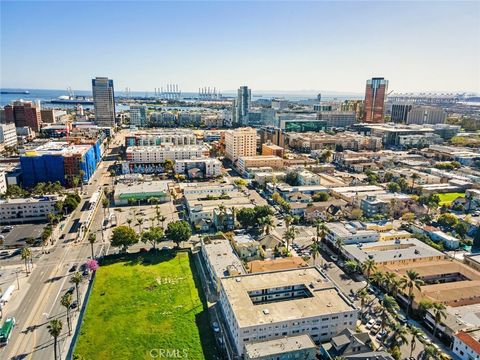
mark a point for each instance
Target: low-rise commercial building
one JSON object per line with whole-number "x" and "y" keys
{"x": 141, "y": 193}
{"x": 270, "y": 149}
{"x": 159, "y": 137}
{"x": 267, "y": 306}
{"x": 29, "y": 209}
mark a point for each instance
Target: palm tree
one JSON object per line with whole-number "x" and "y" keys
{"x": 321, "y": 230}
{"x": 439, "y": 313}
{"x": 139, "y": 223}
{"x": 416, "y": 335}
{"x": 389, "y": 282}
{"x": 339, "y": 244}
{"x": 388, "y": 307}
{"x": 268, "y": 224}
{"x": 129, "y": 222}
{"x": 162, "y": 219}
{"x": 104, "y": 205}
{"x": 315, "y": 249}
{"x": 414, "y": 177}
{"x": 26, "y": 254}
{"x": 288, "y": 220}
{"x": 289, "y": 236}
{"x": 77, "y": 279}
{"x": 66, "y": 301}
{"x": 91, "y": 239}
{"x": 352, "y": 266}
{"x": 399, "y": 337}
{"x": 377, "y": 278}
{"x": 411, "y": 280}
{"x": 369, "y": 266}
{"x": 55, "y": 329}
{"x": 363, "y": 296}
{"x": 430, "y": 353}
{"x": 152, "y": 219}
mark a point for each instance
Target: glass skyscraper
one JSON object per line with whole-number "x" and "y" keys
{"x": 104, "y": 101}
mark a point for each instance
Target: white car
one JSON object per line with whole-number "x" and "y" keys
{"x": 370, "y": 324}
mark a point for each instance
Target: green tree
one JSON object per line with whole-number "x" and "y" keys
{"x": 399, "y": 337}
{"x": 315, "y": 250}
{"x": 410, "y": 281}
{"x": 66, "y": 302}
{"x": 352, "y": 266}
{"x": 246, "y": 217}
{"x": 153, "y": 236}
{"x": 320, "y": 196}
{"x": 168, "y": 165}
{"x": 393, "y": 187}
{"x": 123, "y": 237}
{"x": 55, "y": 329}
{"x": 178, "y": 231}
{"x": 448, "y": 220}
{"x": 140, "y": 223}
{"x": 414, "y": 178}
{"x": 288, "y": 220}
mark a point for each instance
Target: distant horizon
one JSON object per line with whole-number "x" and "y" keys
{"x": 260, "y": 91}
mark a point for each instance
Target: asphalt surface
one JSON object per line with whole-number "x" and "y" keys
{"x": 48, "y": 282}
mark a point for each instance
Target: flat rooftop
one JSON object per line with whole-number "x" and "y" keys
{"x": 353, "y": 189}
{"x": 294, "y": 262}
{"x": 58, "y": 148}
{"x": 221, "y": 257}
{"x": 349, "y": 229}
{"x": 177, "y": 148}
{"x": 151, "y": 187}
{"x": 394, "y": 250}
{"x": 279, "y": 346}
{"x": 326, "y": 299}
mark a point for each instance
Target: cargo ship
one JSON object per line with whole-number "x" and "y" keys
{"x": 19, "y": 92}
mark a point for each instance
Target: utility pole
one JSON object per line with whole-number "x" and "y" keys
{"x": 18, "y": 283}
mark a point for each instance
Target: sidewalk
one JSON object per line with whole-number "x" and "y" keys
{"x": 18, "y": 294}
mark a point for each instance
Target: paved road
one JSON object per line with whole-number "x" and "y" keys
{"x": 47, "y": 283}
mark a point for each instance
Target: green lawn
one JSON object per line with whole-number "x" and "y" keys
{"x": 447, "y": 198}
{"x": 138, "y": 306}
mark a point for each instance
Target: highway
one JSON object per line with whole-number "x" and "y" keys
{"x": 50, "y": 280}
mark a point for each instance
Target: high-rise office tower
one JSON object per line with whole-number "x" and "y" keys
{"x": 104, "y": 101}
{"x": 375, "y": 95}
{"x": 242, "y": 105}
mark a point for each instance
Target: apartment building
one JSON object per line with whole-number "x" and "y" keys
{"x": 30, "y": 209}
{"x": 246, "y": 162}
{"x": 208, "y": 167}
{"x": 8, "y": 134}
{"x": 286, "y": 348}
{"x": 466, "y": 345}
{"x": 240, "y": 142}
{"x": 158, "y": 137}
{"x": 350, "y": 233}
{"x": 158, "y": 154}
{"x": 272, "y": 150}
{"x": 267, "y": 306}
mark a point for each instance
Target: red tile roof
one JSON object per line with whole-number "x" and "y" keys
{"x": 469, "y": 341}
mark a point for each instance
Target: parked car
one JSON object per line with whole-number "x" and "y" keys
{"x": 74, "y": 304}
{"x": 376, "y": 328}
{"x": 73, "y": 268}
{"x": 215, "y": 327}
{"x": 381, "y": 335}
{"x": 70, "y": 290}
{"x": 334, "y": 257}
{"x": 370, "y": 323}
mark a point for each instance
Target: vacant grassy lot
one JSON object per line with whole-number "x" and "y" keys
{"x": 143, "y": 304}
{"x": 446, "y": 199}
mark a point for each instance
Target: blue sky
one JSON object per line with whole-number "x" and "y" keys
{"x": 336, "y": 46}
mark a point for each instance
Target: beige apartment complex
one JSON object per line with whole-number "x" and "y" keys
{"x": 240, "y": 142}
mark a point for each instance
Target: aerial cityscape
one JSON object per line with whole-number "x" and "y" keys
{"x": 235, "y": 180}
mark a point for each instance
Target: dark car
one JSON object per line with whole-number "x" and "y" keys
{"x": 83, "y": 267}
{"x": 74, "y": 304}
{"x": 85, "y": 272}
{"x": 73, "y": 268}
{"x": 70, "y": 290}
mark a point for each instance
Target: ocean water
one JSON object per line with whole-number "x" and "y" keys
{"x": 44, "y": 96}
